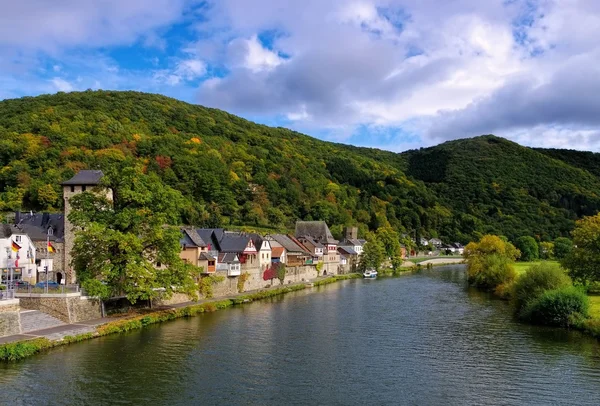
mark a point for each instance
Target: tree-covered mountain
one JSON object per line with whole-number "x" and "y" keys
{"x": 233, "y": 172}
{"x": 497, "y": 186}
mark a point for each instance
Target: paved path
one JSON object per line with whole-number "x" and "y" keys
{"x": 443, "y": 261}
{"x": 32, "y": 320}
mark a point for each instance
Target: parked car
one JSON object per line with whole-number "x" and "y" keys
{"x": 21, "y": 284}
{"x": 51, "y": 285}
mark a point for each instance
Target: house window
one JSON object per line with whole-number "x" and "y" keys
{"x": 211, "y": 263}
{"x": 72, "y": 189}
{"x": 83, "y": 188}
{"x": 50, "y": 231}
{"x": 18, "y": 238}
{"x": 158, "y": 264}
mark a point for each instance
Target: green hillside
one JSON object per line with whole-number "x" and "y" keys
{"x": 498, "y": 186}
{"x": 236, "y": 173}
{"x": 588, "y": 161}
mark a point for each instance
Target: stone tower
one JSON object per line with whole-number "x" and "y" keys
{"x": 83, "y": 181}
{"x": 351, "y": 233}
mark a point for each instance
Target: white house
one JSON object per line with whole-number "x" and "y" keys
{"x": 17, "y": 255}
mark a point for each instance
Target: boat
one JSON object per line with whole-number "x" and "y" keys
{"x": 370, "y": 274}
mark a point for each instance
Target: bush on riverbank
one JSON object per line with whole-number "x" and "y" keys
{"x": 23, "y": 349}
{"x": 535, "y": 281}
{"x": 490, "y": 263}
{"x": 566, "y": 306}
{"x": 491, "y": 272}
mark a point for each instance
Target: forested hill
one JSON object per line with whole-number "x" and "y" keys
{"x": 497, "y": 185}
{"x": 233, "y": 172}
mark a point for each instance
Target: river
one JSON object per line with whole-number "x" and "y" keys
{"x": 423, "y": 339}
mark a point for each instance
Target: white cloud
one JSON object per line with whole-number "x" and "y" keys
{"x": 252, "y": 55}
{"x": 62, "y": 85}
{"x": 191, "y": 69}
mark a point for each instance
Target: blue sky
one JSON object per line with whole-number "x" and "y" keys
{"x": 392, "y": 74}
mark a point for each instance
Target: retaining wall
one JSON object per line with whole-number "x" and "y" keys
{"x": 70, "y": 308}
{"x": 10, "y": 318}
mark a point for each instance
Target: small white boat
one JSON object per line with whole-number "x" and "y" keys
{"x": 370, "y": 274}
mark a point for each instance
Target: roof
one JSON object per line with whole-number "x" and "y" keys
{"x": 206, "y": 256}
{"x": 289, "y": 244}
{"x": 353, "y": 241}
{"x": 312, "y": 241}
{"x": 233, "y": 242}
{"x": 316, "y": 229}
{"x": 211, "y": 236}
{"x": 191, "y": 236}
{"x": 85, "y": 177}
{"x": 347, "y": 250}
{"x": 277, "y": 252}
{"x": 7, "y": 230}
{"x": 36, "y": 225}
{"x": 228, "y": 258}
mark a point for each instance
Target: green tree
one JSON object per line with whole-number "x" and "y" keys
{"x": 562, "y": 247}
{"x": 373, "y": 254}
{"x": 547, "y": 250}
{"x": 125, "y": 246}
{"x": 489, "y": 263}
{"x": 281, "y": 272}
{"x": 528, "y": 247}
{"x": 583, "y": 262}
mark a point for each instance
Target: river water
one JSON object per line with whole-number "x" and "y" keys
{"x": 422, "y": 339}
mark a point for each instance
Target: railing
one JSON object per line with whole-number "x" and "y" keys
{"x": 50, "y": 290}
{"x": 7, "y": 294}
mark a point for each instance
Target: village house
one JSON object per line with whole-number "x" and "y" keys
{"x": 264, "y": 251}
{"x": 318, "y": 231}
{"x": 352, "y": 240}
{"x": 17, "y": 256}
{"x": 195, "y": 251}
{"x": 315, "y": 247}
{"x": 46, "y": 231}
{"x": 224, "y": 242}
{"x": 294, "y": 254}
{"x": 348, "y": 258}
{"x": 229, "y": 263}
{"x": 435, "y": 242}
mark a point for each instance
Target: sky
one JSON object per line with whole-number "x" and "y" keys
{"x": 391, "y": 74}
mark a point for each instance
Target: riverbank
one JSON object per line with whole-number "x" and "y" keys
{"x": 17, "y": 350}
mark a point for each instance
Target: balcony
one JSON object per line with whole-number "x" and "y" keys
{"x": 234, "y": 270}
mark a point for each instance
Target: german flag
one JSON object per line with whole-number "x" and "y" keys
{"x": 15, "y": 247}
{"x": 51, "y": 248}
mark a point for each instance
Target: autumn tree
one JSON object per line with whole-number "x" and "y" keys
{"x": 125, "y": 246}
{"x": 489, "y": 262}
{"x": 583, "y": 262}
{"x": 280, "y": 272}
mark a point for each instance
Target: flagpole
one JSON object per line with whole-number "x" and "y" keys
{"x": 47, "y": 257}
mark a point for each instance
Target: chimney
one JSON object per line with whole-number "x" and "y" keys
{"x": 351, "y": 233}
{"x": 17, "y": 217}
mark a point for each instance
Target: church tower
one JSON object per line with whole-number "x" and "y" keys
{"x": 86, "y": 180}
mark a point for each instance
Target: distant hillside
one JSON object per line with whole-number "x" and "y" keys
{"x": 237, "y": 173}
{"x": 496, "y": 185}
{"x": 588, "y": 161}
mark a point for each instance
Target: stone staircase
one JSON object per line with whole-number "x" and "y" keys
{"x": 32, "y": 320}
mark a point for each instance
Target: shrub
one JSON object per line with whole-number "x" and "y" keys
{"x": 490, "y": 271}
{"x": 562, "y": 247}
{"x": 538, "y": 279}
{"x": 241, "y": 283}
{"x": 565, "y": 306}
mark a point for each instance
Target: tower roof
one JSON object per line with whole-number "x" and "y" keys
{"x": 86, "y": 177}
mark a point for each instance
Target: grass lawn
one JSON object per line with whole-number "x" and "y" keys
{"x": 595, "y": 306}
{"x": 521, "y": 267}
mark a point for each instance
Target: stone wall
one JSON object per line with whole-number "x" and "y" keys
{"x": 10, "y": 318}
{"x": 70, "y": 308}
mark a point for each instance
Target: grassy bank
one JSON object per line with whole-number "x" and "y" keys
{"x": 522, "y": 267}
{"x": 23, "y": 349}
